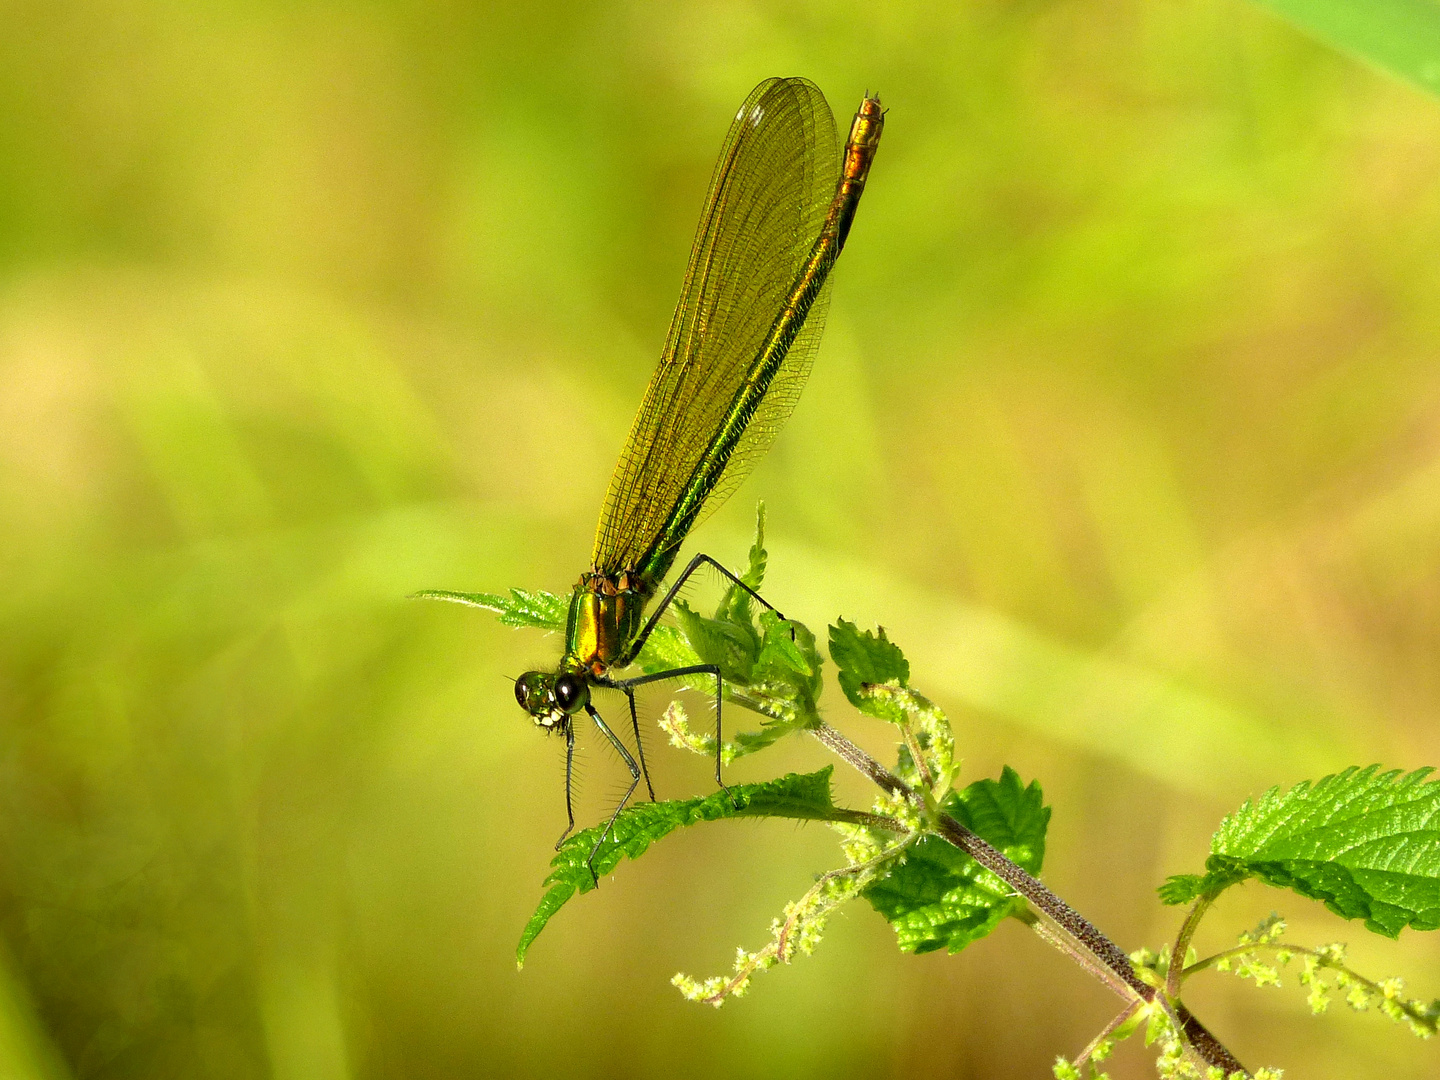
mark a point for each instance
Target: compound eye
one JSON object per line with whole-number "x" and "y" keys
{"x": 571, "y": 693}
{"x": 530, "y": 691}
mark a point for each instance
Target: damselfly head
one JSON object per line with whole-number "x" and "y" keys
{"x": 551, "y": 699}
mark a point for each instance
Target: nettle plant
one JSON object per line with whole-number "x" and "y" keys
{"x": 944, "y": 864}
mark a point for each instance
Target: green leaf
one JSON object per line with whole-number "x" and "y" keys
{"x": 787, "y": 649}
{"x": 666, "y": 649}
{"x": 521, "y": 608}
{"x": 769, "y": 733}
{"x": 737, "y": 604}
{"x": 1181, "y": 888}
{"x": 729, "y": 644}
{"x": 939, "y": 897}
{"x": 1366, "y": 843}
{"x": 754, "y": 575}
{"x": 801, "y": 796}
{"x": 1400, "y": 36}
{"x": 866, "y": 660}
{"x": 1184, "y": 888}
{"x": 863, "y": 656}
{"x": 786, "y": 680}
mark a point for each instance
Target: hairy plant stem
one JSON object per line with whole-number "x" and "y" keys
{"x": 913, "y": 746}
{"x": 1108, "y": 1030}
{"x": 1065, "y": 928}
{"x": 1053, "y": 936}
{"x": 1176, "y": 974}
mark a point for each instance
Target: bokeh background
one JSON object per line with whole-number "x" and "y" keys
{"x": 1126, "y": 426}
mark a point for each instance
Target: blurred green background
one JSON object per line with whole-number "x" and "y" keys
{"x": 1126, "y": 426}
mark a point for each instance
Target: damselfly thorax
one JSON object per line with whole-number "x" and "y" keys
{"x": 606, "y": 612}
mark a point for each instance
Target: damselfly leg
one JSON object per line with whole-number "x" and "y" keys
{"x": 634, "y": 783}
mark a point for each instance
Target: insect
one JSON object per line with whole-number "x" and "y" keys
{"x": 740, "y": 346}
